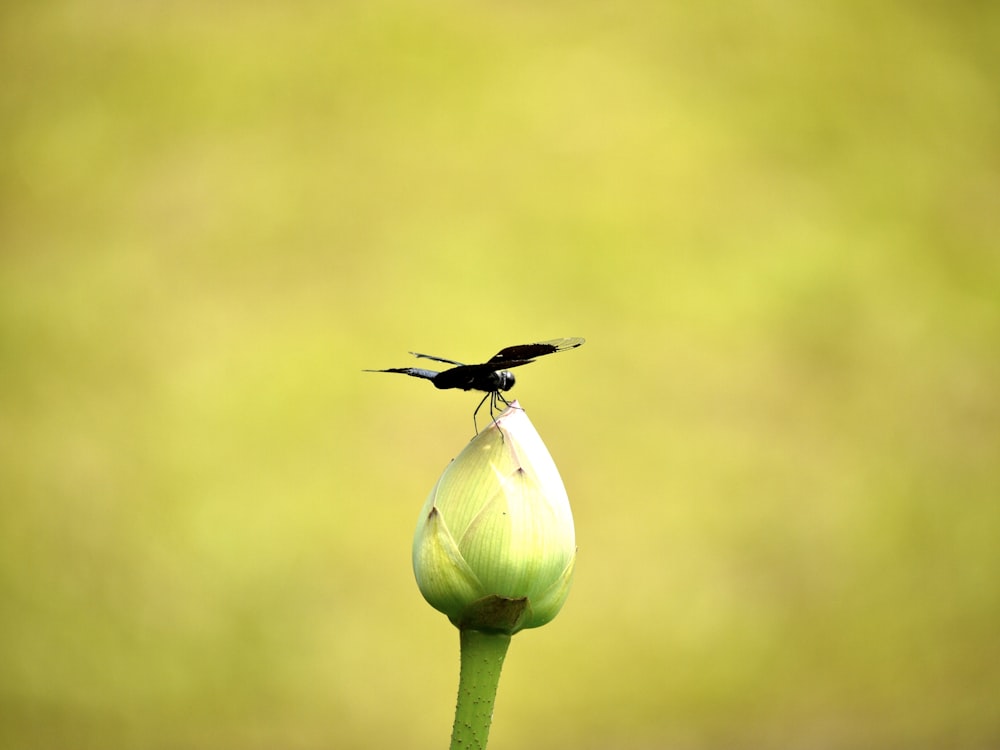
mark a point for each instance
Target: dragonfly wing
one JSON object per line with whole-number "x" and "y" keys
{"x": 522, "y": 354}
{"x": 508, "y": 365}
{"x": 436, "y": 359}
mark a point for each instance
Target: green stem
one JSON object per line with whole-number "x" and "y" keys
{"x": 482, "y": 659}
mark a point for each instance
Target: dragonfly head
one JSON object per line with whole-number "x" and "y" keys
{"x": 506, "y": 380}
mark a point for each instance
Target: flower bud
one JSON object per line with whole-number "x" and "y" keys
{"x": 495, "y": 546}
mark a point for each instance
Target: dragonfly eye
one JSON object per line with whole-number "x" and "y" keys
{"x": 506, "y": 380}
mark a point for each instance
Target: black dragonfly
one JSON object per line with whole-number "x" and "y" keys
{"x": 492, "y": 376}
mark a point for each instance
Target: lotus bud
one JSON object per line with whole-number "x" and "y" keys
{"x": 495, "y": 546}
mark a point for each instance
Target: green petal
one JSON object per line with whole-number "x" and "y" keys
{"x": 444, "y": 578}
{"x": 517, "y": 545}
{"x": 546, "y": 606}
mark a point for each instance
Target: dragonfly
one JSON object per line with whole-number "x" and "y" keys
{"x": 492, "y": 377}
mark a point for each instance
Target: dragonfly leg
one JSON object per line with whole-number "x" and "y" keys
{"x": 475, "y": 424}
{"x": 494, "y": 397}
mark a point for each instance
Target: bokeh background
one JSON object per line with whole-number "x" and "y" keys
{"x": 776, "y": 224}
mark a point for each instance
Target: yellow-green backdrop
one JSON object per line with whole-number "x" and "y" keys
{"x": 776, "y": 224}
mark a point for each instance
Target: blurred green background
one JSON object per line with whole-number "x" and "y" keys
{"x": 776, "y": 223}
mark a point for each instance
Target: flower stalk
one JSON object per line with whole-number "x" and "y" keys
{"x": 482, "y": 657}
